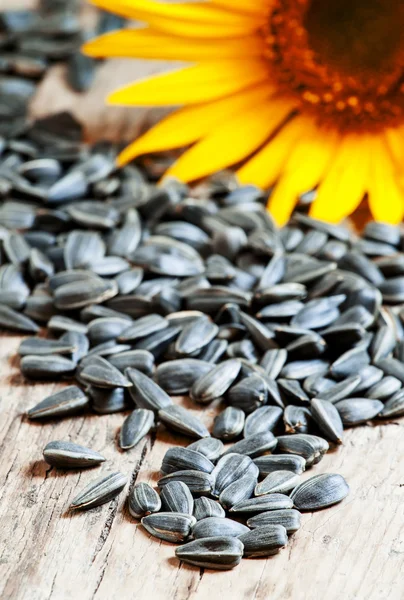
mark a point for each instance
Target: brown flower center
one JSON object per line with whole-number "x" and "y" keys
{"x": 344, "y": 59}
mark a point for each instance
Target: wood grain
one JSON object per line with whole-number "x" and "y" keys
{"x": 354, "y": 551}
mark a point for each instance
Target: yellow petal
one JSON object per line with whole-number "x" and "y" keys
{"x": 305, "y": 167}
{"x": 386, "y": 198}
{"x": 189, "y": 124}
{"x": 231, "y": 142}
{"x": 258, "y": 7}
{"x": 148, "y": 43}
{"x": 201, "y": 83}
{"x": 395, "y": 144}
{"x": 345, "y": 183}
{"x": 264, "y": 168}
{"x": 189, "y": 19}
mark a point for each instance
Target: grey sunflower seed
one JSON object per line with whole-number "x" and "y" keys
{"x": 229, "y": 424}
{"x": 393, "y": 367}
{"x": 104, "y": 375}
{"x": 197, "y": 481}
{"x": 254, "y": 445}
{"x": 210, "y": 447}
{"x": 39, "y": 307}
{"x": 319, "y": 492}
{"x": 82, "y": 248}
{"x": 213, "y": 351}
{"x": 100, "y": 491}
{"x": 221, "y": 553}
{"x": 71, "y": 456}
{"x": 261, "y": 335}
{"x": 355, "y": 411}
{"x": 169, "y": 526}
{"x": 277, "y": 482}
{"x": 176, "y": 497}
{"x": 239, "y": 490}
{"x": 59, "y": 324}
{"x": 340, "y": 390}
{"x": 107, "y": 401}
{"x": 16, "y": 249}
{"x": 264, "y": 541}
{"x": 135, "y": 427}
{"x": 157, "y": 343}
{"x": 129, "y": 280}
{"x": 293, "y": 391}
{"x": 385, "y": 388}
{"x": 206, "y": 507}
{"x": 195, "y": 336}
{"x": 281, "y": 311}
{"x": 78, "y": 341}
{"x": 230, "y": 468}
{"x": 383, "y": 343}
{"x": 297, "y": 419}
{"x": 41, "y": 346}
{"x": 141, "y": 360}
{"x": 300, "y": 369}
{"x": 145, "y": 392}
{"x": 263, "y": 503}
{"x": 394, "y": 407}
{"x": 369, "y": 375}
{"x": 290, "y": 519}
{"x": 143, "y": 500}
{"x": 68, "y": 401}
{"x": 176, "y": 377}
{"x": 349, "y": 363}
{"x": 182, "y": 420}
{"x": 310, "y": 447}
{"x": 217, "y": 526}
{"x": 327, "y": 417}
{"x": 215, "y": 383}
{"x": 280, "y": 462}
{"x": 105, "y": 329}
{"x": 74, "y": 295}
{"x": 46, "y": 366}
{"x": 261, "y": 420}
{"x": 273, "y": 361}
{"x": 182, "y": 459}
{"x": 142, "y": 327}
{"x": 10, "y": 319}
{"x": 249, "y": 394}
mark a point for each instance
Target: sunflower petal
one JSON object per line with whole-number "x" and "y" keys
{"x": 201, "y": 83}
{"x": 345, "y": 184}
{"x": 189, "y": 124}
{"x": 265, "y": 167}
{"x": 304, "y": 169}
{"x": 148, "y": 43}
{"x": 259, "y": 7}
{"x": 231, "y": 142}
{"x": 189, "y": 19}
{"x": 386, "y": 198}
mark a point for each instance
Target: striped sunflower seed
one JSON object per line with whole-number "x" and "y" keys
{"x": 340, "y": 390}
{"x": 277, "y": 482}
{"x": 145, "y": 392}
{"x": 104, "y": 375}
{"x": 229, "y": 424}
{"x": 14, "y": 321}
{"x": 100, "y": 491}
{"x": 328, "y": 419}
{"x": 195, "y": 336}
{"x": 107, "y": 401}
{"x": 311, "y": 447}
{"x": 355, "y": 411}
{"x": 141, "y": 360}
{"x": 263, "y": 503}
{"x": 142, "y": 327}
{"x": 262, "y": 420}
{"x": 289, "y": 518}
{"x": 254, "y": 445}
{"x": 215, "y": 383}
{"x": 273, "y": 361}
{"x": 182, "y": 420}
{"x": 384, "y": 389}
{"x": 206, "y": 507}
{"x": 74, "y": 295}
{"x": 176, "y": 497}
{"x": 293, "y": 391}
{"x": 218, "y": 526}
{"x": 239, "y": 490}
{"x": 169, "y": 526}
{"x": 394, "y": 407}
{"x": 182, "y": 459}
{"x": 264, "y": 541}
{"x": 249, "y": 394}
{"x": 177, "y": 377}
{"x": 68, "y": 401}
{"x": 40, "y": 346}
{"x": 197, "y": 481}
{"x": 210, "y": 447}
{"x": 143, "y": 500}
{"x": 230, "y": 468}
{"x": 135, "y": 427}
{"x": 105, "y": 329}
{"x": 319, "y": 492}
{"x": 280, "y": 462}
{"x": 221, "y": 553}
{"x": 297, "y": 419}
{"x": 46, "y": 366}
{"x": 71, "y": 456}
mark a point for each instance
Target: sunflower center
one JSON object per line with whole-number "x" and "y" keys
{"x": 343, "y": 58}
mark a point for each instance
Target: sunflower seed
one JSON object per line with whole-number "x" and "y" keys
{"x": 393, "y": 367}
{"x": 355, "y": 411}
{"x": 319, "y": 492}
{"x": 206, "y": 507}
{"x": 300, "y": 369}
{"x": 307, "y": 346}
{"x": 215, "y": 383}
{"x": 293, "y": 391}
{"x": 58, "y": 324}
{"x": 135, "y": 427}
{"x": 213, "y": 351}
{"x": 280, "y": 462}
{"x": 384, "y": 389}
{"x": 182, "y": 420}
{"x": 239, "y": 490}
{"x": 104, "y": 375}
{"x": 273, "y": 361}
{"x": 310, "y": 447}
{"x": 221, "y": 553}
{"x": 41, "y": 346}
{"x": 264, "y": 541}
{"x": 145, "y": 392}
{"x": 327, "y": 417}
{"x": 182, "y": 459}
{"x": 254, "y": 445}
{"x": 210, "y": 447}
{"x": 71, "y": 456}
{"x": 142, "y": 328}
{"x": 263, "y": 503}
{"x": 68, "y": 401}
{"x": 10, "y": 319}
{"x": 349, "y": 363}
{"x": 290, "y": 519}
{"x": 249, "y": 394}
{"x": 197, "y": 481}
{"x": 297, "y": 419}
{"x": 176, "y": 497}
{"x": 46, "y": 366}
{"x": 277, "y": 482}
{"x": 143, "y": 500}
{"x": 394, "y": 407}
{"x": 169, "y": 526}
{"x": 100, "y": 491}
{"x": 74, "y": 295}
{"x": 107, "y": 401}
{"x": 262, "y": 420}
{"x": 217, "y": 526}
{"x": 141, "y": 360}
{"x": 229, "y": 424}
{"x": 105, "y": 329}
{"x": 341, "y": 390}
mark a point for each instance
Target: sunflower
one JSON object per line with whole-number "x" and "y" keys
{"x": 297, "y": 94}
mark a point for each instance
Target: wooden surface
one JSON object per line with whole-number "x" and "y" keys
{"x": 354, "y": 551}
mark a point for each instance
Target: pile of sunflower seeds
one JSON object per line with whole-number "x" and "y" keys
{"x": 32, "y": 40}
{"x": 149, "y": 292}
